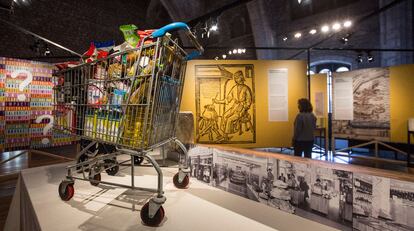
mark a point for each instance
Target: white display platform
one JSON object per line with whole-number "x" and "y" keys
{"x": 36, "y": 205}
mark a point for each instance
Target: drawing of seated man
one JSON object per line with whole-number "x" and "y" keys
{"x": 239, "y": 99}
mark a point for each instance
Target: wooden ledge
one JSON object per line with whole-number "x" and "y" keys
{"x": 321, "y": 163}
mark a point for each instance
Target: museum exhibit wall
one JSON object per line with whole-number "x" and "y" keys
{"x": 266, "y": 133}
{"x": 402, "y": 100}
{"x": 26, "y": 105}
{"x": 342, "y": 196}
{"x": 319, "y": 98}
{"x": 381, "y": 103}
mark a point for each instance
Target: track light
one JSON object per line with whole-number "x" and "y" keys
{"x": 336, "y": 26}
{"x": 370, "y": 58}
{"x": 325, "y": 28}
{"x": 298, "y": 35}
{"x": 284, "y": 39}
{"x": 224, "y": 56}
{"x": 313, "y": 31}
{"x": 347, "y": 24}
{"x": 359, "y": 58}
{"x": 345, "y": 39}
{"x": 47, "y": 52}
{"x": 214, "y": 27}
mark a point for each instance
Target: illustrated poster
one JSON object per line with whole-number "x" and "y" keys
{"x": 225, "y": 104}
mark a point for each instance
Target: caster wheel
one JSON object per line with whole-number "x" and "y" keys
{"x": 66, "y": 191}
{"x": 95, "y": 177}
{"x": 138, "y": 160}
{"x": 156, "y": 220}
{"x": 183, "y": 184}
{"x": 113, "y": 170}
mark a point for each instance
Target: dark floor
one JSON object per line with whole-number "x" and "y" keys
{"x": 9, "y": 172}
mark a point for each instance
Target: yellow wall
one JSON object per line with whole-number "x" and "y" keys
{"x": 319, "y": 84}
{"x": 401, "y": 100}
{"x": 268, "y": 134}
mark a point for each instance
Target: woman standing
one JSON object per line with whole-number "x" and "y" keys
{"x": 304, "y": 127}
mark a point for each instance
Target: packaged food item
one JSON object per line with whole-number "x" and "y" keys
{"x": 132, "y": 131}
{"x": 115, "y": 71}
{"x": 146, "y": 33}
{"x": 90, "y": 123}
{"x": 130, "y": 36}
{"x": 117, "y": 98}
{"x": 91, "y": 54}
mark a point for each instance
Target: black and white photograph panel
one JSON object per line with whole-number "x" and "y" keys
{"x": 382, "y": 204}
{"x": 238, "y": 174}
{"x": 276, "y": 187}
{"x": 330, "y": 194}
{"x": 201, "y": 163}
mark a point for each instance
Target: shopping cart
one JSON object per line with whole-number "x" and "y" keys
{"x": 128, "y": 101}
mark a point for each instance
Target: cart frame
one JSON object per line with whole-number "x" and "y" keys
{"x": 151, "y": 108}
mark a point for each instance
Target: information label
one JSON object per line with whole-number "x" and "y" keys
{"x": 343, "y": 99}
{"x": 278, "y": 95}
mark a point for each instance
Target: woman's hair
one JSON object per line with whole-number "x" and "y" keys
{"x": 305, "y": 105}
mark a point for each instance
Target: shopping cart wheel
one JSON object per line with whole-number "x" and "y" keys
{"x": 154, "y": 221}
{"x": 138, "y": 160}
{"x": 112, "y": 171}
{"x": 66, "y": 190}
{"x": 183, "y": 183}
{"x": 95, "y": 177}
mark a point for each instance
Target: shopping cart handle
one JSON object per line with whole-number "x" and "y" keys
{"x": 179, "y": 26}
{"x": 170, "y": 27}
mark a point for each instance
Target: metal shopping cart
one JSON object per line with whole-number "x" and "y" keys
{"x": 128, "y": 101}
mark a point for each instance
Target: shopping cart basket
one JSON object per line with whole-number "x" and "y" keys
{"x": 129, "y": 101}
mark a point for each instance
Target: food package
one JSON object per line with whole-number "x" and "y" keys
{"x": 130, "y": 35}
{"x": 115, "y": 71}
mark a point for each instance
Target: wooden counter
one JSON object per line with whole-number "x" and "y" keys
{"x": 325, "y": 164}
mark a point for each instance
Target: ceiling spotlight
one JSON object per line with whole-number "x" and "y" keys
{"x": 299, "y": 1}
{"x": 235, "y": 51}
{"x": 347, "y": 24}
{"x": 216, "y": 58}
{"x": 239, "y": 51}
{"x": 336, "y": 26}
{"x": 298, "y": 35}
{"x": 47, "y": 52}
{"x": 359, "y": 58}
{"x": 313, "y": 31}
{"x": 284, "y": 39}
{"x": 244, "y": 51}
{"x": 344, "y": 40}
{"x": 214, "y": 27}
{"x": 325, "y": 28}
{"x": 370, "y": 58}
{"x": 224, "y": 56}
{"x": 230, "y": 52}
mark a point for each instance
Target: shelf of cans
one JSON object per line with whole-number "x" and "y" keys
{"x": 2, "y": 101}
{"x": 17, "y": 104}
{"x": 41, "y": 103}
{"x": 26, "y": 94}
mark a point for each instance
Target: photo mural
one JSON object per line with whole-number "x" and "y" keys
{"x": 337, "y": 198}
{"x": 363, "y": 112}
{"x": 225, "y": 103}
